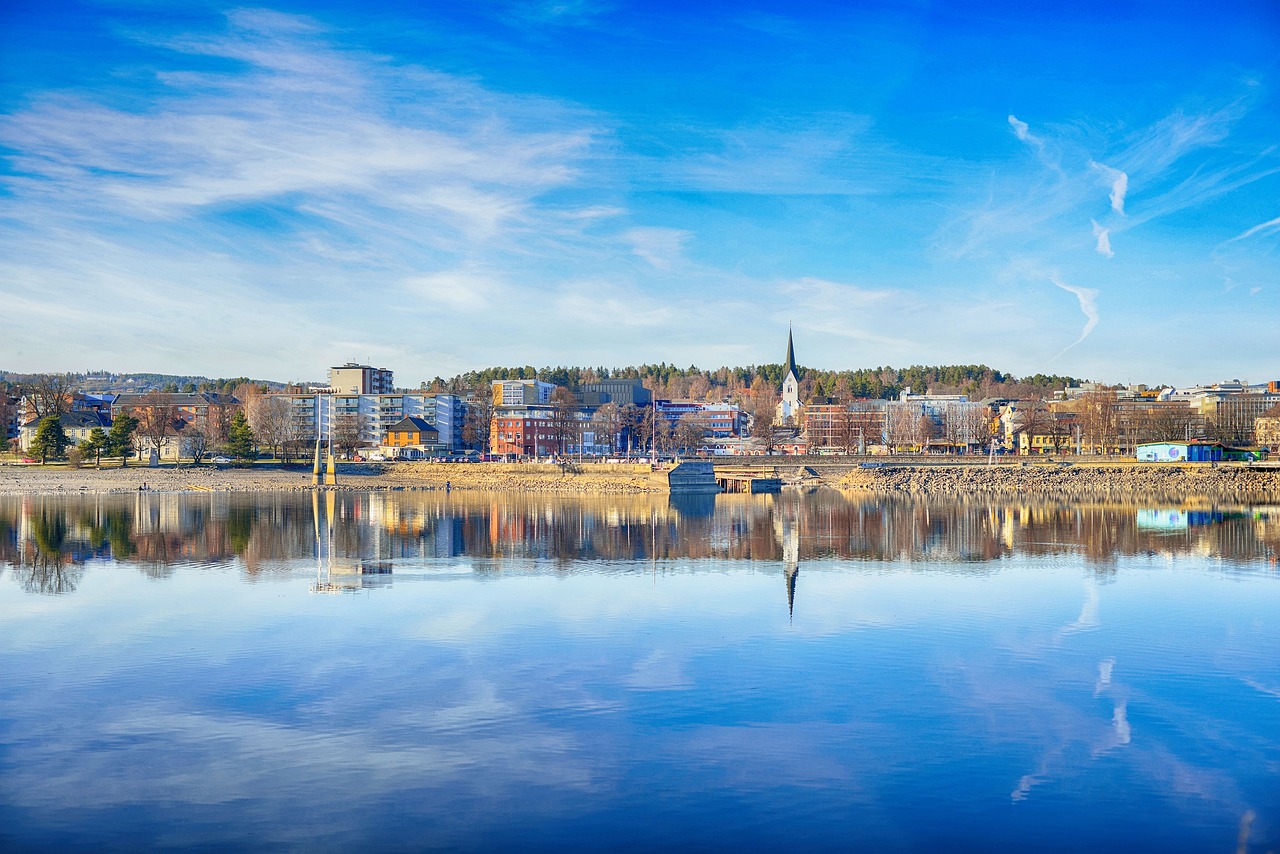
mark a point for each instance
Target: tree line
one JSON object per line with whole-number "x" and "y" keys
{"x": 676, "y": 383}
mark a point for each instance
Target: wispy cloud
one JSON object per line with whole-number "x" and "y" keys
{"x": 1088, "y": 299}
{"x": 821, "y": 154}
{"x": 661, "y": 247}
{"x": 1023, "y": 131}
{"x": 1104, "y": 239}
{"x": 1119, "y": 184}
{"x": 1269, "y": 225}
{"x": 304, "y": 120}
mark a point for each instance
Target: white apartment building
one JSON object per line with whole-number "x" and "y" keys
{"x": 316, "y": 414}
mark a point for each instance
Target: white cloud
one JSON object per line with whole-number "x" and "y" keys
{"x": 1269, "y": 225}
{"x": 1104, "y": 239}
{"x": 458, "y": 290}
{"x": 1023, "y": 131}
{"x": 1119, "y": 184}
{"x": 661, "y": 247}
{"x": 1088, "y": 299}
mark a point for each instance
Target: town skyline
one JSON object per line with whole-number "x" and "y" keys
{"x": 1085, "y": 192}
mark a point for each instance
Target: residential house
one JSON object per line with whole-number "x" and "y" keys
{"x": 412, "y": 437}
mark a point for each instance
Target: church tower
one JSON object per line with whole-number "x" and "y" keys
{"x": 789, "y": 406}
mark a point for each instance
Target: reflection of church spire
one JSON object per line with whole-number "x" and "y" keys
{"x": 787, "y": 529}
{"x": 792, "y": 571}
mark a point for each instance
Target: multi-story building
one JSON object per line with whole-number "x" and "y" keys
{"x": 521, "y": 392}
{"x": 620, "y": 391}
{"x": 717, "y": 420}
{"x": 851, "y": 427}
{"x": 77, "y": 424}
{"x": 372, "y": 415}
{"x": 353, "y": 378}
{"x": 529, "y": 433}
{"x": 1266, "y": 431}
{"x": 187, "y": 406}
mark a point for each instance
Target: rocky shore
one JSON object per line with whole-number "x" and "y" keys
{"x": 1099, "y": 482}
{"x": 31, "y": 480}
{"x": 1079, "y": 482}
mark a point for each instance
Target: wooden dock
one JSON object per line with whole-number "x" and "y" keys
{"x": 751, "y": 480}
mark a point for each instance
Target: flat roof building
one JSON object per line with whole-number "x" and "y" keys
{"x": 361, "y": 379}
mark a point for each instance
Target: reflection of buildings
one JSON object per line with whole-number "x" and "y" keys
{"x": 337, "y": 569}
{"x": 358, "y": 539}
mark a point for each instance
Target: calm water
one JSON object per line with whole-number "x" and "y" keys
{"x": 416, "y": 671}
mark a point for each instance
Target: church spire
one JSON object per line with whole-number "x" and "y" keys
{"x": 790, "y": 366}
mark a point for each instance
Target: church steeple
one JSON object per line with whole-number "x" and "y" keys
{"x": 790, "y": 367}
{"x": 789, "y": 407}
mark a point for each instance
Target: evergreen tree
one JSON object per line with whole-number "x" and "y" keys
{"x": 120, "y": 440}
{"x": 240, "y": 437}
{"x": 95, "y": 444}
{"x": 50, "y": 439}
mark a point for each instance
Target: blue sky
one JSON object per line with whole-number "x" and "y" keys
{"x": 1090, "y": 190}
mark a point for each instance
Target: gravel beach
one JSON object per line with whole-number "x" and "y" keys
{"x": 1224, "y": 482}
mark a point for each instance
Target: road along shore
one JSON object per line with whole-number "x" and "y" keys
{"x": 1256, "y": 484}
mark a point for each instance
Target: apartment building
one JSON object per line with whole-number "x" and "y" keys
{"x": 373, "y": 415}
{"x": 353, "y": 378}
{"x": 521, "y": 392}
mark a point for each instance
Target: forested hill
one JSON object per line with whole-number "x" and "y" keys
{"x": 671, "y": 382}
{"x": 107, "y": 381}
{"x": 666, "y": 381}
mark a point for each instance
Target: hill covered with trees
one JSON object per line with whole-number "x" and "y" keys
{"x": 672, "y": 382}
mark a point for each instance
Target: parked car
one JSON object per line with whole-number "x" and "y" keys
{"x": 220, "y": 459}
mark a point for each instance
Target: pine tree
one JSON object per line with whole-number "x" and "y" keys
{"x": 50, "y": 439}
{"x": 120, "y": 440}
{"x": 240, "y": 437}
{"x": 95, "y": 444}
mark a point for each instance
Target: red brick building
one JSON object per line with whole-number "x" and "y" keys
{"x": 523, "y": 434}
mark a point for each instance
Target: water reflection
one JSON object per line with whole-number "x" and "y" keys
{"x": 931, "y": 693}
{"x": 357, "y": 538}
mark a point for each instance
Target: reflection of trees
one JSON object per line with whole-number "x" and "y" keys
{"x": 48, "y": 575}
{"x": 49, "y": 537}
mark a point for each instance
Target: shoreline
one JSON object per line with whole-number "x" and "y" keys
{"x": 1076, "y": 481}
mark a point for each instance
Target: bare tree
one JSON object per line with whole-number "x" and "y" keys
{"x": 846, "y": 428}
{"x": 270, "y": 418}
{"x": 564, "y": 417}
{"x": 607, "y": 423}
{"x": 924, "y": 431}
{"x": 198, "y": 437}
{"x": 901, "y": 424}
{"x": 299, "y": 433}
{"x": 688, "y": 433}
{"x": 663, "y": 434}
{"x": 954, "y": 431}
{"x": 974, "y": 425}
{"x": 763, "y": 421}
{"x": 1059, "y": 427}
{"x": 478, "y": 422}
{"x": 156, "y": 416}
{"x": 47, "y": 395}
{"x": 346, "y": 433}
{"x": 631, "y": 420}
{"x": 217, "y": 421}
{"x": 1097, "y": 414}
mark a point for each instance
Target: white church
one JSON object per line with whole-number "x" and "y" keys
{"x": 789, "y": 407}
